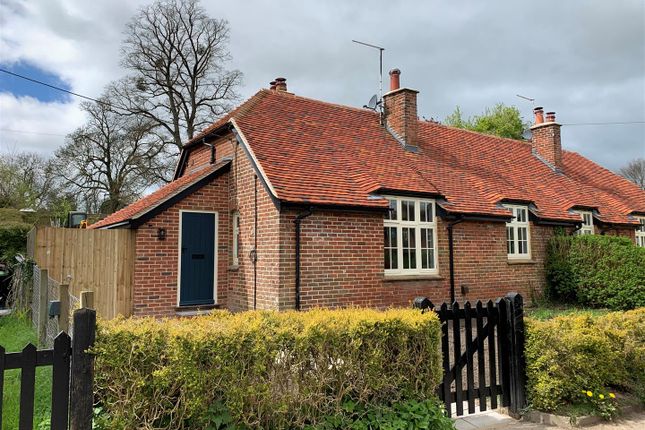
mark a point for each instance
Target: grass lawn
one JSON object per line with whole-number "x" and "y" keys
{"x": 15, "y": 333}
{"x": 548, "y": 311}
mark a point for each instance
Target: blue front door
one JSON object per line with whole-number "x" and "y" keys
{"x": 197, "y": 259}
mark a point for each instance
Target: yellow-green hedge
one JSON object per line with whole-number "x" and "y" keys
{"x": 569, "y": 354}
{"x": 265, "y": 369}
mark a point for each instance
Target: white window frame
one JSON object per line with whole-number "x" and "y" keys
{"x": 235, "y": 230}
{"x": 417, "y": 225}
{"x": 640, "y": 232}
{"x": 587, "y": 223}
{"x": 515, "y": 225}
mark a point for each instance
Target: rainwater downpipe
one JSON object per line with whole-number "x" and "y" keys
{"x": 254, "y": 255}
{"x": 298, "y": 222}
{"x": 451, "y": 258}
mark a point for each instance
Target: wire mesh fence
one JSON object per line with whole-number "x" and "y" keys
{"x": 40, "y": 314}
{"x": 51, "y": 327}
{"x": 35, "y": 294}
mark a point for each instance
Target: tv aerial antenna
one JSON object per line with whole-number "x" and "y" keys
{"x": 527, "y": 134}
{"x": 374, "y": 102}
{"x": 526, "y": 98}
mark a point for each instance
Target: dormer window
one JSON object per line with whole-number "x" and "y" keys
{"x": 410, "y": 237}
{"x": 640, "y": 233}
{"x": 518, "y": 244}
{"x": 587, "y": 223}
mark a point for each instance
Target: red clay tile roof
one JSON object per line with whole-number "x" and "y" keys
{"x": 159, "y": 196}
{"x": 322, "y": 153}
{"x": 314, "y": 152}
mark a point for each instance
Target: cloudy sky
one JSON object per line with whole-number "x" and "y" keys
{"x": 584, "y": 59}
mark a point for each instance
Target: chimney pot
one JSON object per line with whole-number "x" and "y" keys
{"x": 281, "y": 84}
{"x": 539, "y": 115}
{"x": 395, "y": 79}
{"x": 272, "y": 85}
{"x": 550, "y": 117}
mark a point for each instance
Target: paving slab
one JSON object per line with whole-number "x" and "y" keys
{"x": 495, "y": 421}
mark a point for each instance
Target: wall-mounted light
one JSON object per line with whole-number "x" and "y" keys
{"x": 161, "y": 233}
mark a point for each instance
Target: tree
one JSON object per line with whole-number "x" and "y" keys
{"x": 501, "y": 120}
{"x": 635, "y": 172}
{"x": 27, "y": 180}
{"x": 176, "y": 55}
{"x": 112, "y": 159}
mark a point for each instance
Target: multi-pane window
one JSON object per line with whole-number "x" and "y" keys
{"x": 587, "y": 223}
{"x": 640, "y": 233}
{"x": 235, "y": 222}
{"x": 517, "y": 233}
{"x": 410, "y": 237}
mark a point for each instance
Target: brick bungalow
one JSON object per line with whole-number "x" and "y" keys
{"x": 289, "y": 202}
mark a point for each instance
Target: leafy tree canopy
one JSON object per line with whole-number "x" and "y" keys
{"x": 500, "y": 120}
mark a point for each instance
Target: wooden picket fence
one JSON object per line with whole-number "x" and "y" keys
{"x": 72, "y": 376}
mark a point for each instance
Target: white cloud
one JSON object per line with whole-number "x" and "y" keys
{"x": 27, "y": 124}
{"x": 584, "y": 59}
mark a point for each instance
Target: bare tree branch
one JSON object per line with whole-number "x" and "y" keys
{"x": 635, "y": 172}
{"x": 113, "y": 158}
{"x": 176, "y": 55}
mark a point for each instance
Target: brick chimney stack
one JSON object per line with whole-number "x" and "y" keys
{"x": 280, "y": 84}
{"x": 401, "y": 111}
{"x": 545, "y": 141}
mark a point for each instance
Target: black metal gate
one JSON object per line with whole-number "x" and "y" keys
{"x": 483, "y": 355}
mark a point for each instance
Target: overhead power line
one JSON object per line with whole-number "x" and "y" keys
{"x": 36, "y": 81}
{"x": 606, "y": 123}
{"x": 9, "y": 130}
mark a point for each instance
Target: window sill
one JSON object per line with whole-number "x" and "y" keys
{"x": 391, "y": 278}
{"x": 521, "y": 261}
{"x": 233, "y": 268}
{"x": 191, "y": 311}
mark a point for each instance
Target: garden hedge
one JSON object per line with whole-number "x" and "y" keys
{"x": 571, "y": 354}
{"x": 596, "y": 271}
{"x": 13, "y": 240}
{"x": 263, "y": 369}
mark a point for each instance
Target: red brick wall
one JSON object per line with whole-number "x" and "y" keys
{"x": 401, "y": 114}
{"x": 342, "y": 253}
{"x": 625, "y": 232}
{"x": 156, "y": 265}
{"x": 342, "y": 263}
{"x": 201, "y": 154}
{"x": 546, "y": 142}
{"x": 244, "y": 279}
{"x": 156, "y": 261}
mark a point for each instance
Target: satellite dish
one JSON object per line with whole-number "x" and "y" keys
{"x": 372, "y": 103}
{"x": 527, "y": 134}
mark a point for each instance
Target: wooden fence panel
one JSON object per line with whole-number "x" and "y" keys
{"x": 90, "y": 260}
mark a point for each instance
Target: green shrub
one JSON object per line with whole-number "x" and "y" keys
{"x": 263, "y": 369}
{"x": 596, "y": 271}
{"x": 570, "y": 355}
{"x": 404, "y": 415}
{"x": 13, "y": 240}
